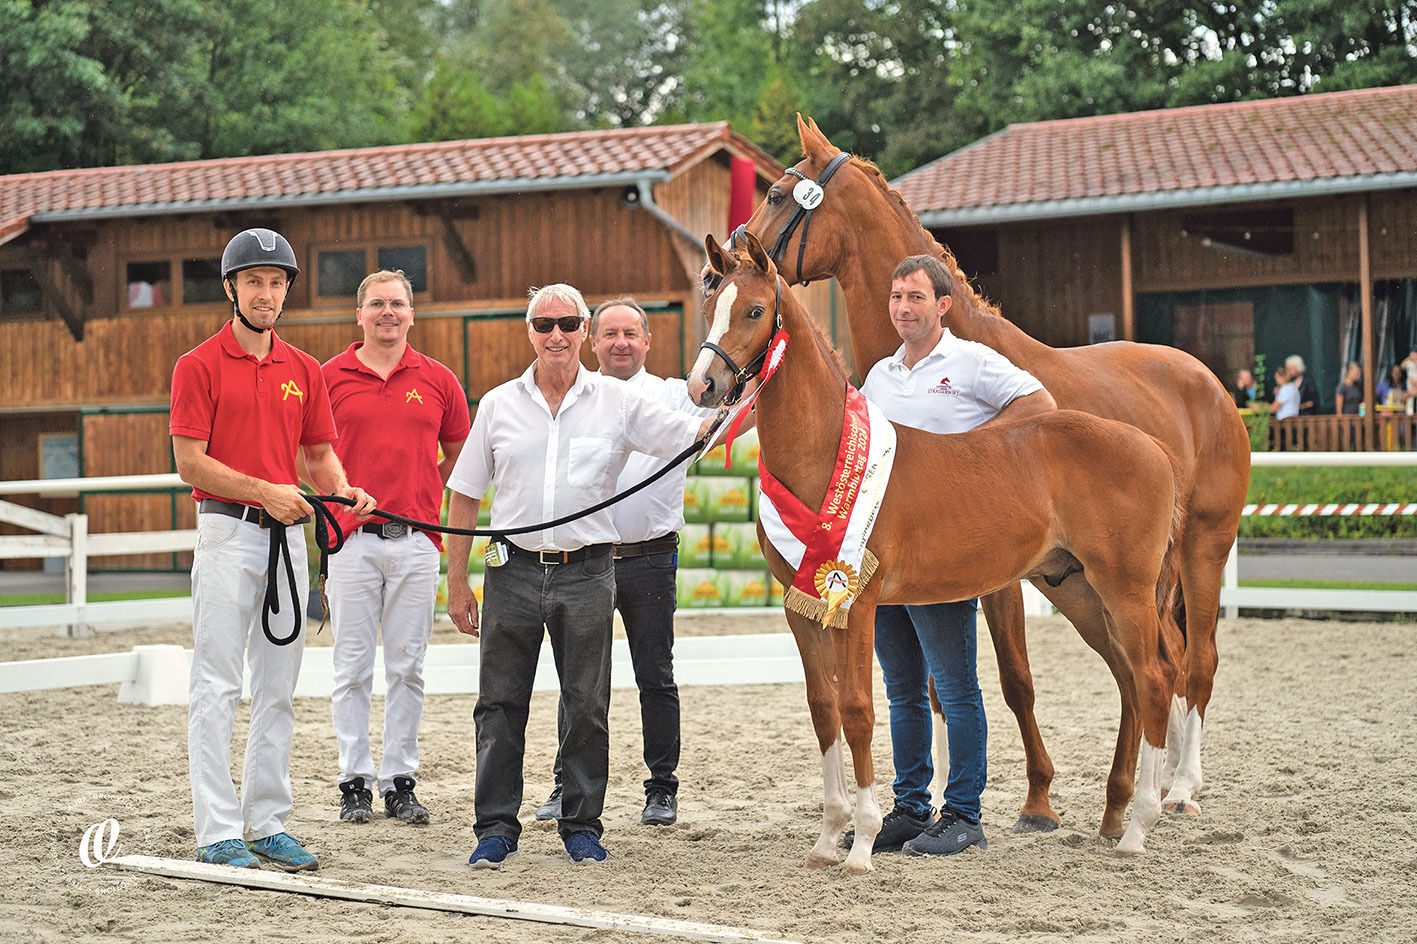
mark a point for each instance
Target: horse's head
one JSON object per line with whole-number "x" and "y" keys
{"x": 742, "y": 312}
{"x": 801, "y": 216}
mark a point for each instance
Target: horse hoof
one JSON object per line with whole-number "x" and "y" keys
{"x": 858, "y": 868}
{"x": 1128, "y": 852}
{"x": 1111, "y": 832}
{"x": 1182, "y": 808}
{"x": 815, "y": 861}
{"x": 1032, "y": 823}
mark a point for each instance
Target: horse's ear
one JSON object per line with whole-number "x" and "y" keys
{"x": 815, "y": 144}
{"x": 757, "y": 253}
{"x": 715, "y": 253}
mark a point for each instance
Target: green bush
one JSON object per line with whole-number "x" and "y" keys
{"x": 1322, "y": 485}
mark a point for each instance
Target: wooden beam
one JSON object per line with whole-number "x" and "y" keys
{"x": 321, "y": 887}
{"x": 1129, "y": 311}
{"x": 1365, "y": 298}
{"x": 462, "y": 256}
{"x": 73, "y": 319}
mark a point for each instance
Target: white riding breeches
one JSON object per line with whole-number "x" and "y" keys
{"x": 228, "y": 589}
{"x": 375, "y": 584}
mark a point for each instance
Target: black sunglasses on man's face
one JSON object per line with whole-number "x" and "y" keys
{"x": 568, "y": 325}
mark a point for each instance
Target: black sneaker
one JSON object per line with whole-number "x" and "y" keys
{"x": 899, "y": 827}
{"x": 661, "y": 809}
{"x": 356, "y": 801}
{"x": 551, "y": 809}
{"x": 401, "y": 804}
{"x": 949, "y": 834}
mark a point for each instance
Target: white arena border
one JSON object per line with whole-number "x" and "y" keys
{"x": 157, "y": 675}
{"x": 435, "y": 901}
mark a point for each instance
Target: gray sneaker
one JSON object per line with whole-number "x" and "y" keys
{"x": 949, "y": 834}
{"x": 551, "y": 809}
{"x": 899, "y": 827}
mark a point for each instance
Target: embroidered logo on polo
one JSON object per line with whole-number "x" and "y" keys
{"x": 291, "y": 389}
{"x": 944, "y": 388}
{"x": 412, "y": 395}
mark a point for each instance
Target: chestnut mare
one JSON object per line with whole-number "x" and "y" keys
{"x": 858, "y": 233}
{"x": 1040, "y": 498}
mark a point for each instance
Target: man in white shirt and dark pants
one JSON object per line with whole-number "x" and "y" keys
{"x": 646, "y": 560}
{"x": 942, "y": 384}
{"x": 555, "y": 440}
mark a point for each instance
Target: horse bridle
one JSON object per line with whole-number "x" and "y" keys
{"x": 800, "y": 216}
{"x": 741, "y": 375}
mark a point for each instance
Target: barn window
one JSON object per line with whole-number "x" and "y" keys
{"x": 149, "y": 284}
{"x": 413, "y": 260}
{"x": 201, "y": 282}
{"x": 1262, "y": 233}
{"x": 339, "y": 273}
{"x": 20, "y": 294}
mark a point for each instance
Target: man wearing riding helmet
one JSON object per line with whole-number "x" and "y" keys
{"x": 243, "y": 401}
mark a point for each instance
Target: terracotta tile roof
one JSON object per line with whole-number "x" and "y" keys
{"x": 365, "y": 172}
{"x": 1084, "y": 165}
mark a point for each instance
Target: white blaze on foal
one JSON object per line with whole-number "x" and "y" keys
{"x": 721, "y": 314}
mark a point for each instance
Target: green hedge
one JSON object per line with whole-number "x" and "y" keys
{"x": 1322, "y": 485}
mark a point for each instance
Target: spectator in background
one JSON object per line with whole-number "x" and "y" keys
{"x": 1393, "y": 382}
{"x": 1348, "y": 398}
{"x": 1286, "y": 395}
{"x": 1308, "y": 390}
{"x": 1244, "y": 390}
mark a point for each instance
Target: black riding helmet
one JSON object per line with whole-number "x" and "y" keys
{"x": 252, "y": 248}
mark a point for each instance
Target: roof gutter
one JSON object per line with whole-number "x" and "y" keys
{"x": 640, "y": 179}
{"x": 1165, "y": 200}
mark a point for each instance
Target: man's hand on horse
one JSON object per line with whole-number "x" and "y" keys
{"x": 364, "y": 503}
{"x": 285, "y": 503}
{"x": 462, "y": 607}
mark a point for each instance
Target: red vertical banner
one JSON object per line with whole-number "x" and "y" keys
{"x": 742, "y": 191}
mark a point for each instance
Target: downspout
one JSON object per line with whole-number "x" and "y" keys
{"x": 646, "y": 201}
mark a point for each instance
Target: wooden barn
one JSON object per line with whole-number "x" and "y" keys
{"x": 107, "y": 275}
{"x": 1236, "y": 231}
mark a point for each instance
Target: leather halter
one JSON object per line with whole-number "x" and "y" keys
{"x": 800, "y": 216}
{"x": 741, "y": 375}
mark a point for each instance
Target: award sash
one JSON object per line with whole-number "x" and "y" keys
{"x": 827, "y": 547}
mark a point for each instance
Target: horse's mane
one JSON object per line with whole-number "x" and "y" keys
{"x": 963, "y": 288}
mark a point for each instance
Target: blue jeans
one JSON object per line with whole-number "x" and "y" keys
{"x": 940, "y": 640}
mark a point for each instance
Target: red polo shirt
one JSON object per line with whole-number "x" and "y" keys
{"x": 390, "y": 430}
{"x": 252, "y": 413}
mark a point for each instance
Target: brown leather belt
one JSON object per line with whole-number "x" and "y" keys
{"x": 665, "y": 545}
{"x": 258, "y": 516}
{"x": 559, "y": 557}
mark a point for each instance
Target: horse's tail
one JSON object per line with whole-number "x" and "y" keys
{"x": 1168, "y": 586}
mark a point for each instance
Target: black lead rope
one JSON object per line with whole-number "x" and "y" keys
{"x": 330, "y": 539}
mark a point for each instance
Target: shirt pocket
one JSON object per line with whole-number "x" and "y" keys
{"x": 588, "y": 462}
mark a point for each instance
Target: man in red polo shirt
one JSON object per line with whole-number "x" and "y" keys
{"x": 395, "y": 407}
{"x": 242, "y": 402}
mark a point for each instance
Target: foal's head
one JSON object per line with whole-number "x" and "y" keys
{"x": 742, "y": 313}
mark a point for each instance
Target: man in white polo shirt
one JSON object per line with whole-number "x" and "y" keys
{"x": 942, "y": 384}
{"x": 646, "y": 560}
{"x": 554, "y": 440}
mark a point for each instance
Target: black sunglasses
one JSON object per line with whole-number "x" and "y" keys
{"x": 568, "y": 324}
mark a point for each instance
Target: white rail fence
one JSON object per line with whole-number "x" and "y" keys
{"x": 68, "y": 537}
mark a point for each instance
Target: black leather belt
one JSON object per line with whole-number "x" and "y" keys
{"x": 259, "y": 516}
{"x": 665, "y": 545}
{"x": 559, "y": 557}
{"x": 388, "y": 530}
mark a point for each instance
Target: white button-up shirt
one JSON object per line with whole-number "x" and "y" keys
{"x": 956, "y": 387}
{"x": 546, "y": 466}
{"x": 659, "y": 509}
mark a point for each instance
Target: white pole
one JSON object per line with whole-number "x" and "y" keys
{"x": 77, "y": 568}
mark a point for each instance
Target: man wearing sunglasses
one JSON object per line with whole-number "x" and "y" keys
{"x": 554, "y": 440}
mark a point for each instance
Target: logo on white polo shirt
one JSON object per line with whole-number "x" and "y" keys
{"x": 943, "y": 388}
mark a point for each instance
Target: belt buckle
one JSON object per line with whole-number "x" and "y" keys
{"x": 393, "y": 529}
{"x": 558, "y": 557}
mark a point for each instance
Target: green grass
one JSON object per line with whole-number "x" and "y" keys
{"x": 1286, "y": 583}
{"x": 1282, "y": 485}
{"x": 40, "y": 599}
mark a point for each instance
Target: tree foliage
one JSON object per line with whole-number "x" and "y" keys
{"x": 92, "y": 82}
